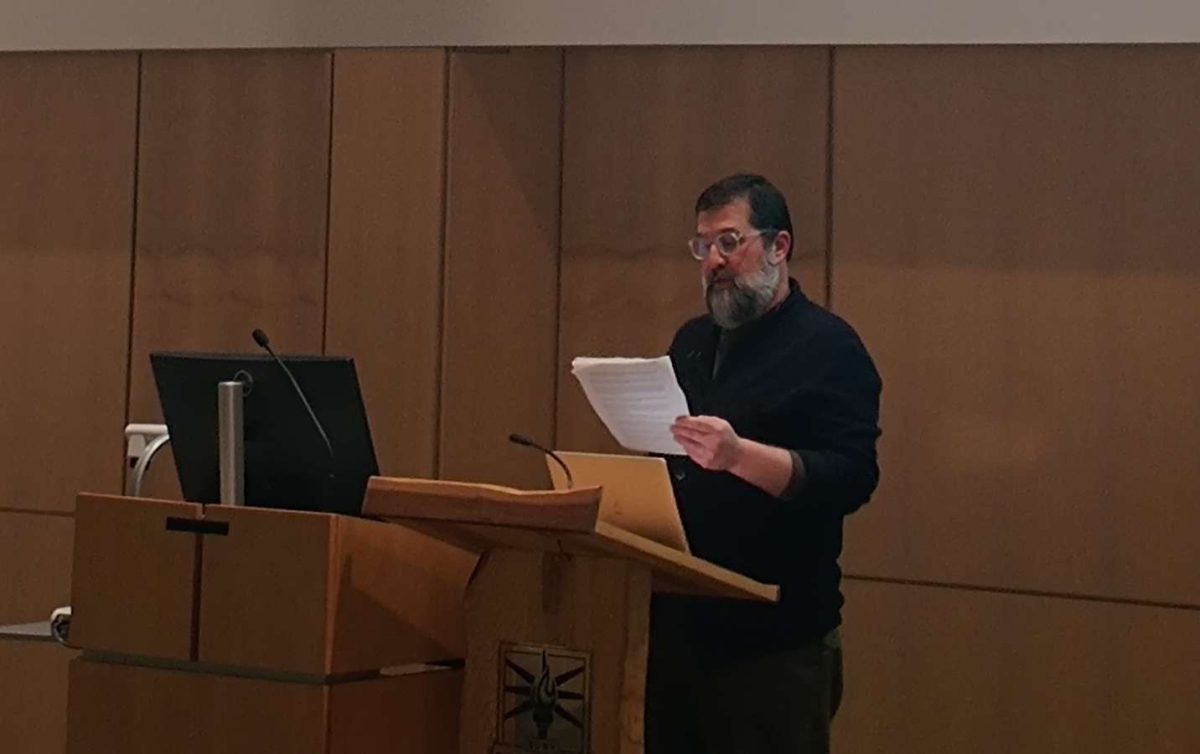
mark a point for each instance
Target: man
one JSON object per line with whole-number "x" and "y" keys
{"x": 780, "y": 448}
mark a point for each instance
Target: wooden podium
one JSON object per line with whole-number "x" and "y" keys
{"x": 557, "y": 612}
{"x": 229, "y": 630}
{"x": 220, "y": 630}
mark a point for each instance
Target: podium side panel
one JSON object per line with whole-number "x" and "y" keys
{"x": 265, "y": 589}
{"x": 590, "y": 618}
{"x": 132, "y": 583}
{"x": 411, "y": 714}
{"x": 396, "y": 596}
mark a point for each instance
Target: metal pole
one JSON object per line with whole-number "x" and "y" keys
{"x": 231, "y": 450}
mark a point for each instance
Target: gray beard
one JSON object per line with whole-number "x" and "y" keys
{"x": 746, "y": 300}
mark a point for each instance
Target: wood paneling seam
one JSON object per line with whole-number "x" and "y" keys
{"x": 1073, "y": 596}
{"x": 328, "y": 202}
{"x": 829, "y": 167}
{"x": 133, "y": 239}
{"x": 36, "y": 512}
{"x": 558, "y": 255}
{"x": 439, "y": 363}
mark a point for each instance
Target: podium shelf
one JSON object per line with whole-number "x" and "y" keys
{"x": 483, "y": 517}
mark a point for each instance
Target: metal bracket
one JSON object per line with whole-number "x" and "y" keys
{"x": 142, "y": 442}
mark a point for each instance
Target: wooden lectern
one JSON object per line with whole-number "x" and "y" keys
{"x": 222, "y": 630}
{"x": 229, "y": 630}
{"x": 557, "y": 611}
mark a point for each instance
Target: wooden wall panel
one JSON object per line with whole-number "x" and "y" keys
{"x": 35, "y": 560}
{"x": 1014, "y": 233}
{"x": 501, "y": 283}
{"x": 33, "y": 697}
{"x": 67, "y": 135}
{"x": 943, "y": 671}
{"x": 385, "y": 243}
{"x": 232, "y": 196}
{"x": 645, "y": 131}
{"x": 35, "y": 563}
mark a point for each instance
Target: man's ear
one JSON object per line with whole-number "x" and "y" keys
{"x": 780, "y": 247}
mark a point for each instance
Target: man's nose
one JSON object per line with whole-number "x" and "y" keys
{"x": 714, "y": 260}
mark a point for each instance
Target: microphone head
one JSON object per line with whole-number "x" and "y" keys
{"x": 520, "y": 439}
{"x": 261, "y": 338}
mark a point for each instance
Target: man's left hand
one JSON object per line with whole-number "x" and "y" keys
{"x": 709, "y": 441}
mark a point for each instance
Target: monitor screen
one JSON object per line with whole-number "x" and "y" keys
{"x": 287, "y": 464}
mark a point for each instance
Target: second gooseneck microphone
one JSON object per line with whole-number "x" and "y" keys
{"x": 263, "y": 341}
{"x": 523, "y": 440}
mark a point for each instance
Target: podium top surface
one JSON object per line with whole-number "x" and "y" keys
{"x": 480, "y": 517}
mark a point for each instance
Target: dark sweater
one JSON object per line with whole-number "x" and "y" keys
{"x": 797, "y": 378}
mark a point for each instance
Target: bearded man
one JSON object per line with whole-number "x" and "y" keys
{"x": 780, "y": 448}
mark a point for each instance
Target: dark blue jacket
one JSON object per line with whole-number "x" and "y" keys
{"x": 797, "y": 378}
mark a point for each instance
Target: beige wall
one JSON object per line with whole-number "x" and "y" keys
{"x": 225, "y": 24}
{"x": 1010, "y": 229}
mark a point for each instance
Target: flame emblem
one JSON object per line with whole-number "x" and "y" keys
{"x": 545, "y": 698}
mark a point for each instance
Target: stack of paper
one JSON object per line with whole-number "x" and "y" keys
{"x": 637, "y": 399}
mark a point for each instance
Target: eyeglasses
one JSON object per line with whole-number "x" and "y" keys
{"x": 726, "y": 242}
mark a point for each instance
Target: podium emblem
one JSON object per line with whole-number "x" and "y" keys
{"x": 543, "y": 701}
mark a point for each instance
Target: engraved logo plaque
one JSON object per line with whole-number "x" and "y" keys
{"x": 543, "y": 701}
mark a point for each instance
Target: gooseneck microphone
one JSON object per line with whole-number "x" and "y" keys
{"x": 523, "y": 440}
{"x": 262, "y": 340}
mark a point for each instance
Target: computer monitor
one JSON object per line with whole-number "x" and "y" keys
{"x": 287, "y": 464}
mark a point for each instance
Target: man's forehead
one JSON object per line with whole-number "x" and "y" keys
{"x": 732, "y": 216}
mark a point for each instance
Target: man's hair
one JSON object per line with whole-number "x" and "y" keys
{"x": 768, "y": 208}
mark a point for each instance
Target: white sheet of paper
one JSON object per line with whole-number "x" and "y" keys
{"x": 637, "y": 399}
